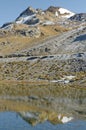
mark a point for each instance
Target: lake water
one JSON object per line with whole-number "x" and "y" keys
{"x": 12, "y": 121}
{"x": 57, "y": 108}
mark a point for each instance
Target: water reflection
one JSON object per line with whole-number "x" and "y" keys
{"x": 53, "y": 104}
{"x": 35, "y": 118}
{"x": 12, "y": 121}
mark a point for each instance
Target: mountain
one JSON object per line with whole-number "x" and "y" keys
{"x": 49, "y": 16}
{"x": 32, "y": 16}
{"x": 44, "y": 45}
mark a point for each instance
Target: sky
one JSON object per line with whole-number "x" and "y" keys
{"x": 10, "y": 9}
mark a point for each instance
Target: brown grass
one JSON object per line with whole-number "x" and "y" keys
{"x": 8, "y": 105}
{"x": 12, "y": 43}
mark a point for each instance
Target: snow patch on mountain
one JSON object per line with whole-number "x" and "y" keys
{"x": 24, "y": 19}
{"x": 67, "y": 13}
{"x": 47, "y": 22}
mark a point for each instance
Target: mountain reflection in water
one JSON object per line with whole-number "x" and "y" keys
{"x": 12, "y": 121}
{"x": 58, "y": 106}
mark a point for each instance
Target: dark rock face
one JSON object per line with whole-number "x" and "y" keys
{"x": 79, "y": 17}
{"x": 32, "y": 21}
{"x": 80, "y": 38}
{"x": 29, "y": 32}
{"x": 6, "y": 24}
{"x": 28, "y": 11}
{"x": 52, "y": 9}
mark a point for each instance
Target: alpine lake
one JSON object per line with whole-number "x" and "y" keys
{"x": 42, "y": 106}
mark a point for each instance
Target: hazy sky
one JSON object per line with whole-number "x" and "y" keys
{"x": 10, "y": 9}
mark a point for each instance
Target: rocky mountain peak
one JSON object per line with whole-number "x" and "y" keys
{"x": 62, "y": 12}
{"x": 52, "y": 9}
{"x": 50, "y": 16}
{"x": 28, "y": 11}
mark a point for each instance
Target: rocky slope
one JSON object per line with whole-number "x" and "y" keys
{"x": 79, "y": 17}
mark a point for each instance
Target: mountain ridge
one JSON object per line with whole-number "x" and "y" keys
{"x": 31, "y": 16}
